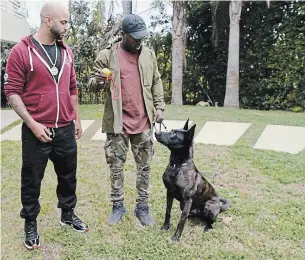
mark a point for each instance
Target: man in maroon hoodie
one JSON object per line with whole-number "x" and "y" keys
{"x": 41, "y": 87}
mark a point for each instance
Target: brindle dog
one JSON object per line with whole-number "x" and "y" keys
{"x": 186, "y": 184}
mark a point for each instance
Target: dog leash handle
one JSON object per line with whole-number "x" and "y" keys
{"x": 163, "y": 126}
{"x": 154, "y": 125}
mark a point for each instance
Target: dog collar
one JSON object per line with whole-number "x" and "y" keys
{"x": 183, "y": 164}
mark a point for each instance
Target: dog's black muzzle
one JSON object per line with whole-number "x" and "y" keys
{"x": 160, "y": 134}
{"x": 166, "y": 139}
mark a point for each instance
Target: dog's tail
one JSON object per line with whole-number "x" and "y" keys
{"x": 224, "y": 204}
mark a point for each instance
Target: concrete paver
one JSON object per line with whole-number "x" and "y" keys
{"x": 281, "y": 138}
{"x": 99, "y": 136}
{"x": 290, "y": 139}
{"x": 86, "y": 124}
{"x": 170, "y": 124}
{"x": 8, "y": 117}
{"x": 14, "y": 134}
{"x": 221, "y": 133}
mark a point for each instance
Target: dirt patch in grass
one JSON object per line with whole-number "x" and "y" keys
{"x": 51, "y": 251}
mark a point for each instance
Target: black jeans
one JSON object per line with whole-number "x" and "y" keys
{"x": 62, "y": 151}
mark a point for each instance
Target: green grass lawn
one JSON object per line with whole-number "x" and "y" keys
{"x": 266, "y": 190}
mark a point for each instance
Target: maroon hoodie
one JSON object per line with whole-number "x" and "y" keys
{"x": 29, "y": 76}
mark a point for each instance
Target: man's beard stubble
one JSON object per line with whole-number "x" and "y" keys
{"x": 56, "y": 35}
{"x": 132, "y": 49}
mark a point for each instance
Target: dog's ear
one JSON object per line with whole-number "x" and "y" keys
{"x": 191, "y": 132}
{"x": 186, "y": 126}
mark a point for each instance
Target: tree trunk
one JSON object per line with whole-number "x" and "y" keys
{"x": 127, "y": 7}
{"x": 178, "y": 47}
{"x": 232, "y": 84}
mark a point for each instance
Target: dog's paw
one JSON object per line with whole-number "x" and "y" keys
{"x": 208, "y": 229}
{"x": 165, "y": 227}
{"x": 175, "y": 238}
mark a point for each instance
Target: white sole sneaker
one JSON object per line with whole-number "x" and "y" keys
{"x": 80, "y": 231}
{"x": 31, "y": 247}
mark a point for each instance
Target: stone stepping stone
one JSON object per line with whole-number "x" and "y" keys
{"x": 8, "y": 117}
{"x": 170, "y": 124}
{"x": 14, "y": 134}
{"x": 86, "y": 124}
{"x": 281, "y": 138}
{"x": 221, "y": 133}
{"x": 99, "y": 136}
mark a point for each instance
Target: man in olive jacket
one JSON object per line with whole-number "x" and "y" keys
{"x": 133, "y": 101}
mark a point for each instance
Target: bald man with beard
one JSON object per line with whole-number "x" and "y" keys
{"x": 41, "y": 87}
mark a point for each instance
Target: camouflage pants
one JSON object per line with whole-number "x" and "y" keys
{"x": 116, "y": 148}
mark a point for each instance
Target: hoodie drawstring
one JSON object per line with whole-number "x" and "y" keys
{"x": 69, "y": 56}
{"x": 31, "y": 59}
{"x": 52, "y": 132}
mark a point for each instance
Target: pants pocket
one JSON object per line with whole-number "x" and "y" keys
{"x": 109, "y": 153}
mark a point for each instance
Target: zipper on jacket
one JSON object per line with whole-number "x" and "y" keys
{"x": 56, "y": 83}
{"x": 57, "y": 98}
{"x": 57, "y": 92}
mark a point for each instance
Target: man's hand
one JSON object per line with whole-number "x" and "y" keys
{"x": 78, "y": 129}
{"x": 41, "y": 132}
{"x": 100, "y": 77}
{"x": 78, "y": 126}
{"x": 159, "y": 116}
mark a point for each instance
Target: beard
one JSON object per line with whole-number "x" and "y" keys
{"x": 56, "y": 34}
{"x": 136, "y": 48}
{"x": 132, "y": 48}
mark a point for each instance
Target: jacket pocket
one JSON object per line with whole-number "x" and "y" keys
{"x": 46, "y": 103}
{"x": 147, "y": 73}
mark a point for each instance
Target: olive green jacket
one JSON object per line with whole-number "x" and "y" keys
{"x": 150, "y": 81}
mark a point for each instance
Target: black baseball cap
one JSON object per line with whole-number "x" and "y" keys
{"x": 135, "y": 26}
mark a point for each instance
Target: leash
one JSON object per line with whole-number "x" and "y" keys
{"x": 115, "y": 88}
{"x": 154, "y": 125}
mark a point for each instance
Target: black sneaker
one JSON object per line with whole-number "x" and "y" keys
{"x": 70, "y": 219}
{"x": 142, "y": 213}
{"x": 118, "y": 210}
{"x": 31, "y": 237}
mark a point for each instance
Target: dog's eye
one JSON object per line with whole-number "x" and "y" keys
{"x": 174, "y": 134}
